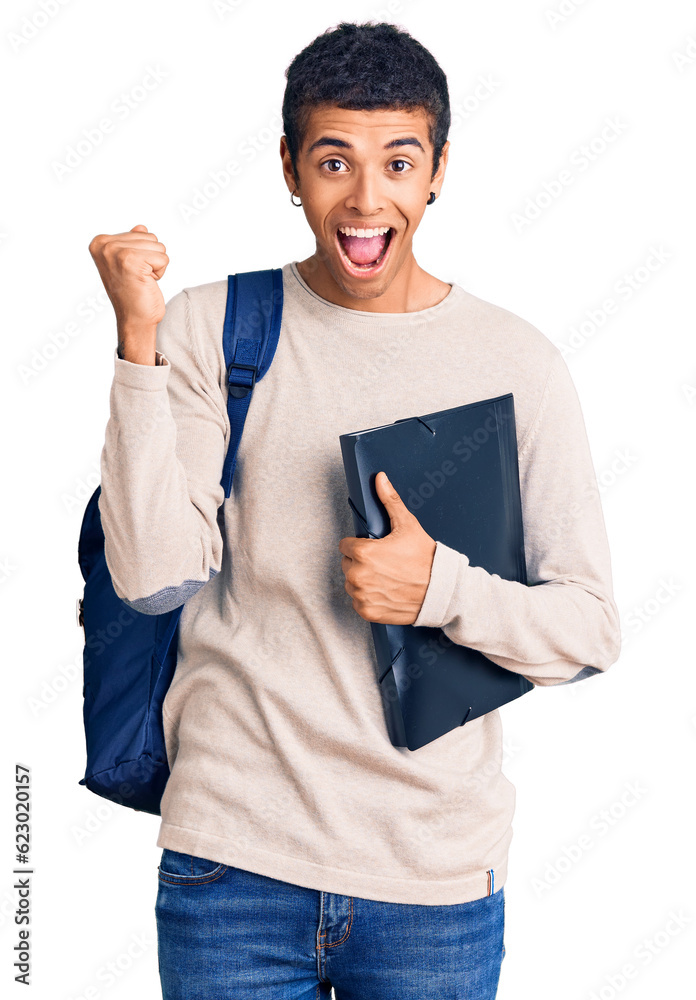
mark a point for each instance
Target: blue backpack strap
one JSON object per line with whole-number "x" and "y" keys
{"x": 250, "y": 337}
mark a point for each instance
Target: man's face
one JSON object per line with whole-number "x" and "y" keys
{"x": 364, "y": 170}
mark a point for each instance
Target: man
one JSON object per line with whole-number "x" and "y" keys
{"x": 301, "y": 849}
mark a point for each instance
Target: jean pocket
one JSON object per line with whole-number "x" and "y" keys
{"x": 179, "y": 868}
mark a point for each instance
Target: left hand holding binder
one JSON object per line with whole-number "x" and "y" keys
{"x": 387, "y": 578}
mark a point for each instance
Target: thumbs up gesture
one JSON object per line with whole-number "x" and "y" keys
{"x": 387, "y": 577}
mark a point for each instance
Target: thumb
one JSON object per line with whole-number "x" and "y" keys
{"x": 396, "y": 508}
{"x": 140, "y": 228}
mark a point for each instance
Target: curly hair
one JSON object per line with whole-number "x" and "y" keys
{"x": 365, "y": 67}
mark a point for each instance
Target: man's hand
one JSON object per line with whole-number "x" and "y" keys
{"x": 130, "y": 265}
{"x": 388, "y": 577}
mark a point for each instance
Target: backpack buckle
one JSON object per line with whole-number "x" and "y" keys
{"x": 240, "y": 389}
{"x": 79, "y": 613}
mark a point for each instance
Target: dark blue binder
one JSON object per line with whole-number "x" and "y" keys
{"x": 457, "y": 472}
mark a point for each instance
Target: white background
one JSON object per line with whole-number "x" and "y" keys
{"x": 557, "y": 72}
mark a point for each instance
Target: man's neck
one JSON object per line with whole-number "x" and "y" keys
{"x": 413, "y": 289}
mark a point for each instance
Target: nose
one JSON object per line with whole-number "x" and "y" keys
{"x": 366, "y": 196}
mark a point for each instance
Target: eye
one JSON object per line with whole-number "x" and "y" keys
{"x": 400, "y": 161}
{"x": 332, "y": 161}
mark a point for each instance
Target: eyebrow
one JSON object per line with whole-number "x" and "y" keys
{"x": 327, "y": 140}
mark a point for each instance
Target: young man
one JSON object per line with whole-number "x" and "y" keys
{"x": 301, "y": 849}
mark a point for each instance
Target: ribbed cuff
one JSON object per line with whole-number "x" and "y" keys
{"x": 444, "y": 573}
{"x": 141, "y": 376}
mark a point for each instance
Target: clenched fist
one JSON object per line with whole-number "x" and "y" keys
{"x": 130, "y": 265}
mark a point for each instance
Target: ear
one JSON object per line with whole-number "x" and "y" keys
{"x": 439, "y": 177}
{"x": 288, "y": 172}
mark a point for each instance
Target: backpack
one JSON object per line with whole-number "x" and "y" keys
{"x": 129, "y": 657}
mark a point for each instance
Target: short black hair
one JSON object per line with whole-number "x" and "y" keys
{"x": 365, "y": 67}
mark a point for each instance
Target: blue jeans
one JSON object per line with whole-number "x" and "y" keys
{"x": 224, "y": 932}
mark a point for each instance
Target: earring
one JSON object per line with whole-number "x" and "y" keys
{"x": 297, "y": 204}
{"x": 431, "y": 199}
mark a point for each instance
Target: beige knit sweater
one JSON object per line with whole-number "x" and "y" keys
{"x": 280, "y": 758}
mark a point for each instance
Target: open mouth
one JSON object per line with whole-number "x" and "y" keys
{"x": 356, "y": 251}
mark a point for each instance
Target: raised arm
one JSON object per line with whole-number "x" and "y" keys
{"x": 163, "y": 454}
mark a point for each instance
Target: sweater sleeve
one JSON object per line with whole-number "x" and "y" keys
{"x": 161, "y": 467}
{"x": 564, "y": 625}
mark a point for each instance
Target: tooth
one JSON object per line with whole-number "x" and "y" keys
{"x": 352, "y": 231}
